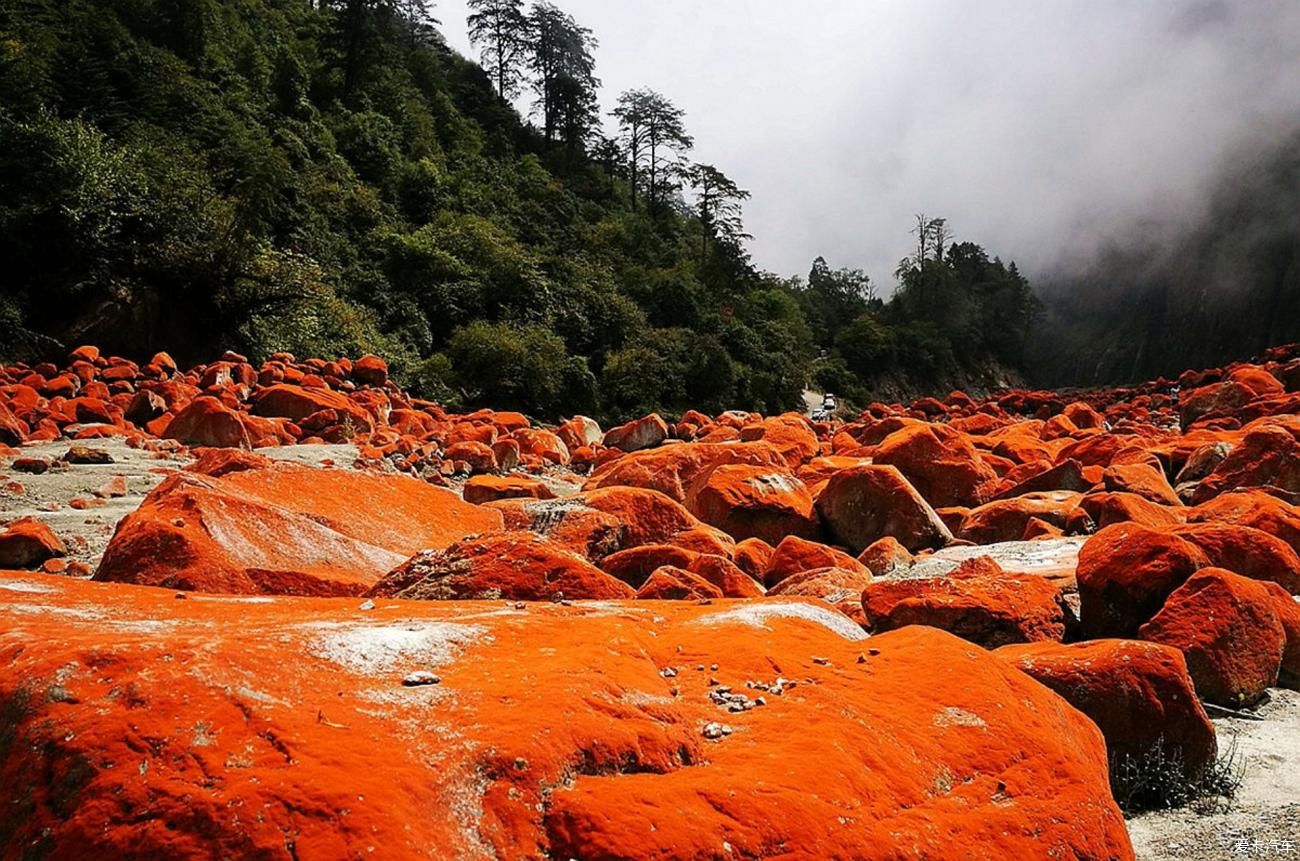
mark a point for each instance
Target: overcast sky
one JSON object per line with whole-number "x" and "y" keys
{"x": 1037, "y": 127}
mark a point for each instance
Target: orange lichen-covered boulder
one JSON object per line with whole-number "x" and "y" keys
{"x": 789, "y": 434}
{"x": 206, "y": 421}
{"x": 1255, "y": 509}
{"x": 1138, "y": 693}
{"x": 556, "y": 731}
{"x": 1006, "y": 519}
{"x": 490, "y": 488}
{"x": 284, "y": 530}
{"x": 567, "y": 521}
{"x": 673, "y": 469}
{"x": 515, "y": 566}
{"x": 726, "y": 575}
{"x": 861, "y": 505}
{"x": 978, "y": 602}
{"x": 754, "y": 502}
{"x": 886, "y": 558}
{"x": 645, "y": 432}
{"x": 1267, "y": 456}
{"x": 753, "y": 556}
{"x": 13, "y": 430}
{"x": 1140, "y": 479}
{"x": 1288, "y": 614}
{"x": 839, "y": 587}
{"x": 1245, "y": 551}
{"x": 27, "y": 543}
{"x": 795, "y": 554}
{"x": 635, "y": 564}
{"x": 648, "y": 517}
{"x": 1125, "y": 574}
{"x": 670, "y": 583}
{"x": 940, "y": 463}
{"x": 297, "y": 403}
{"x": 1227, "y": 628}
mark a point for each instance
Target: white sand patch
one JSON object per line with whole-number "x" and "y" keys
{"x": 376, "y": 649}
{"x": 757, "y": 614}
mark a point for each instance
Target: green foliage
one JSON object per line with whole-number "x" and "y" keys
{"x": 331, "y": 178}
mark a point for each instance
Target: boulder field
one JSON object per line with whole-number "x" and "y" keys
{"x": 921, "y": 631}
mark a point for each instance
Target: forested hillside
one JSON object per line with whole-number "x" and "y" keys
{"x": 331, "y": 178}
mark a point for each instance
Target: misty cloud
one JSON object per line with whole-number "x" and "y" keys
{"x": 1038, "y": 129}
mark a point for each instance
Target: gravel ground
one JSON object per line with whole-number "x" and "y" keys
{"x": 1263, "y": 821}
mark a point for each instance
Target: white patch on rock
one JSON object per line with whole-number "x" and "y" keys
{"x": 376, "y": 649}
{"x": 756, "y": 615}
{"x": 24, "y": 586}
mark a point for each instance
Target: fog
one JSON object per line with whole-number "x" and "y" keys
{"x": 1041, "y": 130}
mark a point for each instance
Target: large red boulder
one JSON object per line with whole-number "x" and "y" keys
{"x": 284, "y": 530}
{"x": 13, "y": 430}
{"x": 1245, "y": 551}
{"x": 1288, "y": 614}
{"x": 297, "y": 403}
{"x": 1007, "y": 519}
{"x": 645, "y": 432}
{"x": 1254, "y": 509}
{"x": 1227, "y": 628}
{"x": 941, "y": 463}
{"x": 1267, "y": 457}
{"x": 555, "y": 731}
{"x": 585, "y": 530}
{"x": 27, "y": 543}
{"x": 515, "y": 566}
{"x": 795, "y": 555}
{"x": 490, "y": 488}
{"x": 863, "y": 504}
{"x": 1125, "y": 574}
{"x": 789, "y": 434}
{"x": 978, "y": 602}
{"x": 1138, "y": 693}
{"x": 839, "y": 587}
{"x": 635, "y": 564}
{"x": 673, "y": 469}
{"x": 208, "y": 422}
{"x": 669, "y": 583}
{"x": 754, "y": 502}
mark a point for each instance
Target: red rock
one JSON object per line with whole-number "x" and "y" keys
{"x": 839, "y": 587}
{"x": 752, "y": 556}
{"x": 297, "y": 402}
{"x": 1227, "y": 628}
{"x": 635, "y": 564}
{"x": 645, "y": 432}
{"x": 1211, "y": 401}
{"x": 481, "y": 459}
{"x": 217, "y": 462}
{"x": 859, "y": 506}
{"x": 789, "y": 434}
{"x": 978, "y": 602}
{"x": 673, "y": 469}
{"x": 1126, "y": 572}
{"x": 754, "y": 502}
{"x": 27, "y": 543}
{"x": 1254, "y": 509}
{"x": 514, "y": 566}
{"x": 795, "y": 555}
{"x": 1267, "y": 456}
{"x": 669, "y": 583}
{"x": 541, "y": 443}
{"x": 1139, "y": 694}
{"x": 1288, "y": 614}
{"x": 940, "y": 463}
{"x": 1107, "y": 509}
{"x": 208, "y": 422}
{"x": 702, "y": 538}
{"x": 1142, "y": 480}
{"x": 13, "y": 430}
{"x": 886, "y": 558}
{"x": 1245, "y": 551}
{"x": 275, "y": 711}
{"x": 1006, "y": 519}
{"x": 113, "y": 488}
{"x": 726, "y": 575}
{"x": 648, "y": 517}
{"x": 370, "y": 371}
{"x": 1067, "y": 475}
{"x": 568, "y": 522}
{"x": 578, "y": 432}
{"x": 284, "y": 530}
{"x": 489, "y": 488}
